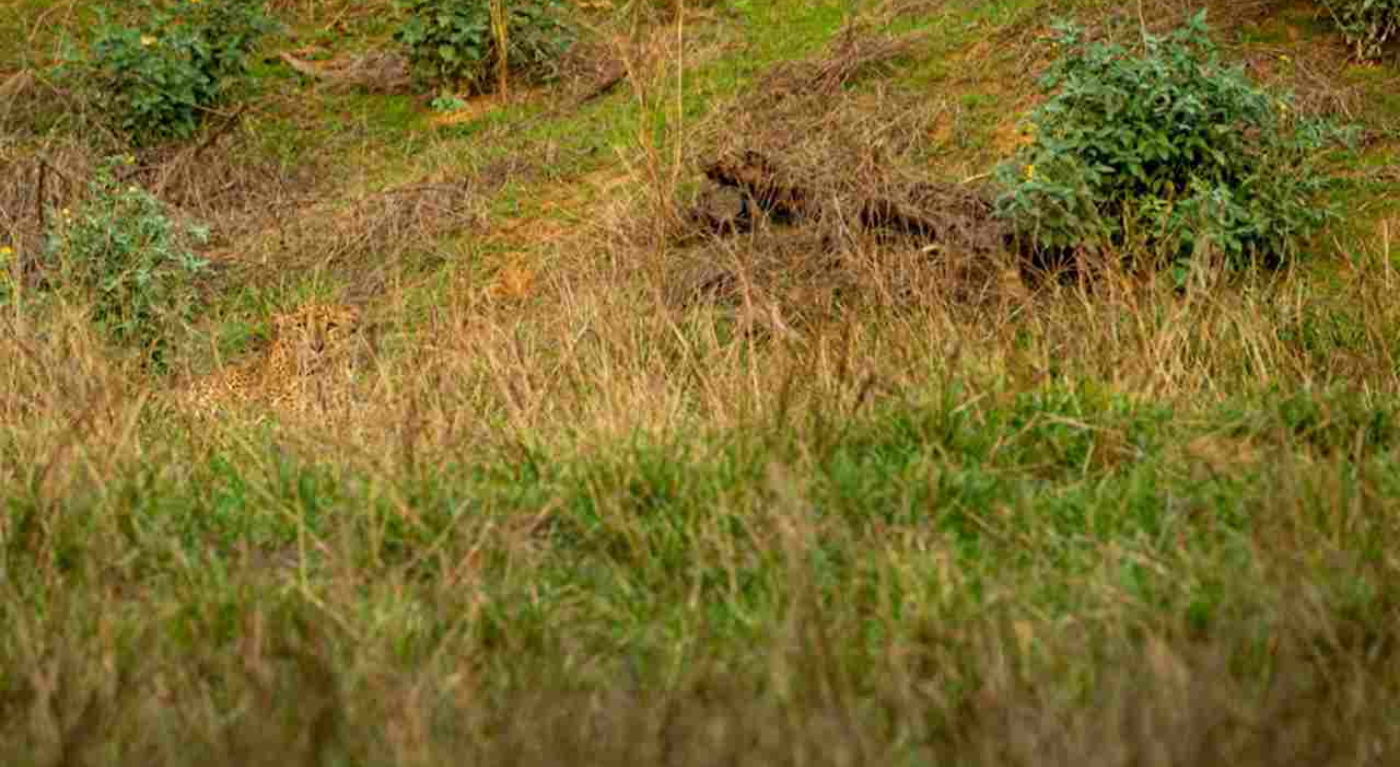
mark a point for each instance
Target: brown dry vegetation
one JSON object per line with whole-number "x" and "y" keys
{"x": 608, "y": 486}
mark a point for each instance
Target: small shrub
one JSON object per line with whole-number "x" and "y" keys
{"x": 450, "y": 42}
{"x": 447, "y": 103}
{"x": 9, "y": 274}
{"x": 1169, "y": 151}
{"x": 121, "y": 253}
{"x": 1367, "y": 24}
{"x": 159, "y": 80}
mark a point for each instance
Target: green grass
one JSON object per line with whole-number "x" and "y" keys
{"x": 1067, "y": 513}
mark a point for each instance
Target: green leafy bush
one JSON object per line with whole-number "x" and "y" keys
{"x": 120, "y": 252}
{"x": 450, "y": 41}
{"x": 1168, "y": 152}
{"x": 157, "y": 81}
{"x": 1368, "y": 24}
{"x": 9, "y": 274}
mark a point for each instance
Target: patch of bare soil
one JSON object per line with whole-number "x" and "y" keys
{"x": 477, "y": 107}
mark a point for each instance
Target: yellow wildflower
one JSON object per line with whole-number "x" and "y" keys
{"x": 1030, "y": 172}
{"x": 147, "y": 40}
{"x": 5, "y": 252}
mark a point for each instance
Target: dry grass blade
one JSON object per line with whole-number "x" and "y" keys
{"x": 376, "y": 72}
{"x": 854, "y": 53}
{"x": 32, "y": 184}
{"x": 361, "y": 239}
{"x": 13, "y": 90}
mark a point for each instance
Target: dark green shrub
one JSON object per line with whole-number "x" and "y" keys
{"x": 1368, "y": 24}
{"x": 450, "y": 42}
{"x": 1166, "y": 151}
{"x": 119, "y": 252}
{"x": 158, "y": 81}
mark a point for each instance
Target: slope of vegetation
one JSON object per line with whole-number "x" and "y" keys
{"x": 787, "y": 382}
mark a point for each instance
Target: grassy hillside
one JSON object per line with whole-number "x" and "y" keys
{"x": 611, "y": 468}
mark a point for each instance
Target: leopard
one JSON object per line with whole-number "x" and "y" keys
{"x": 305, "y": 348}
